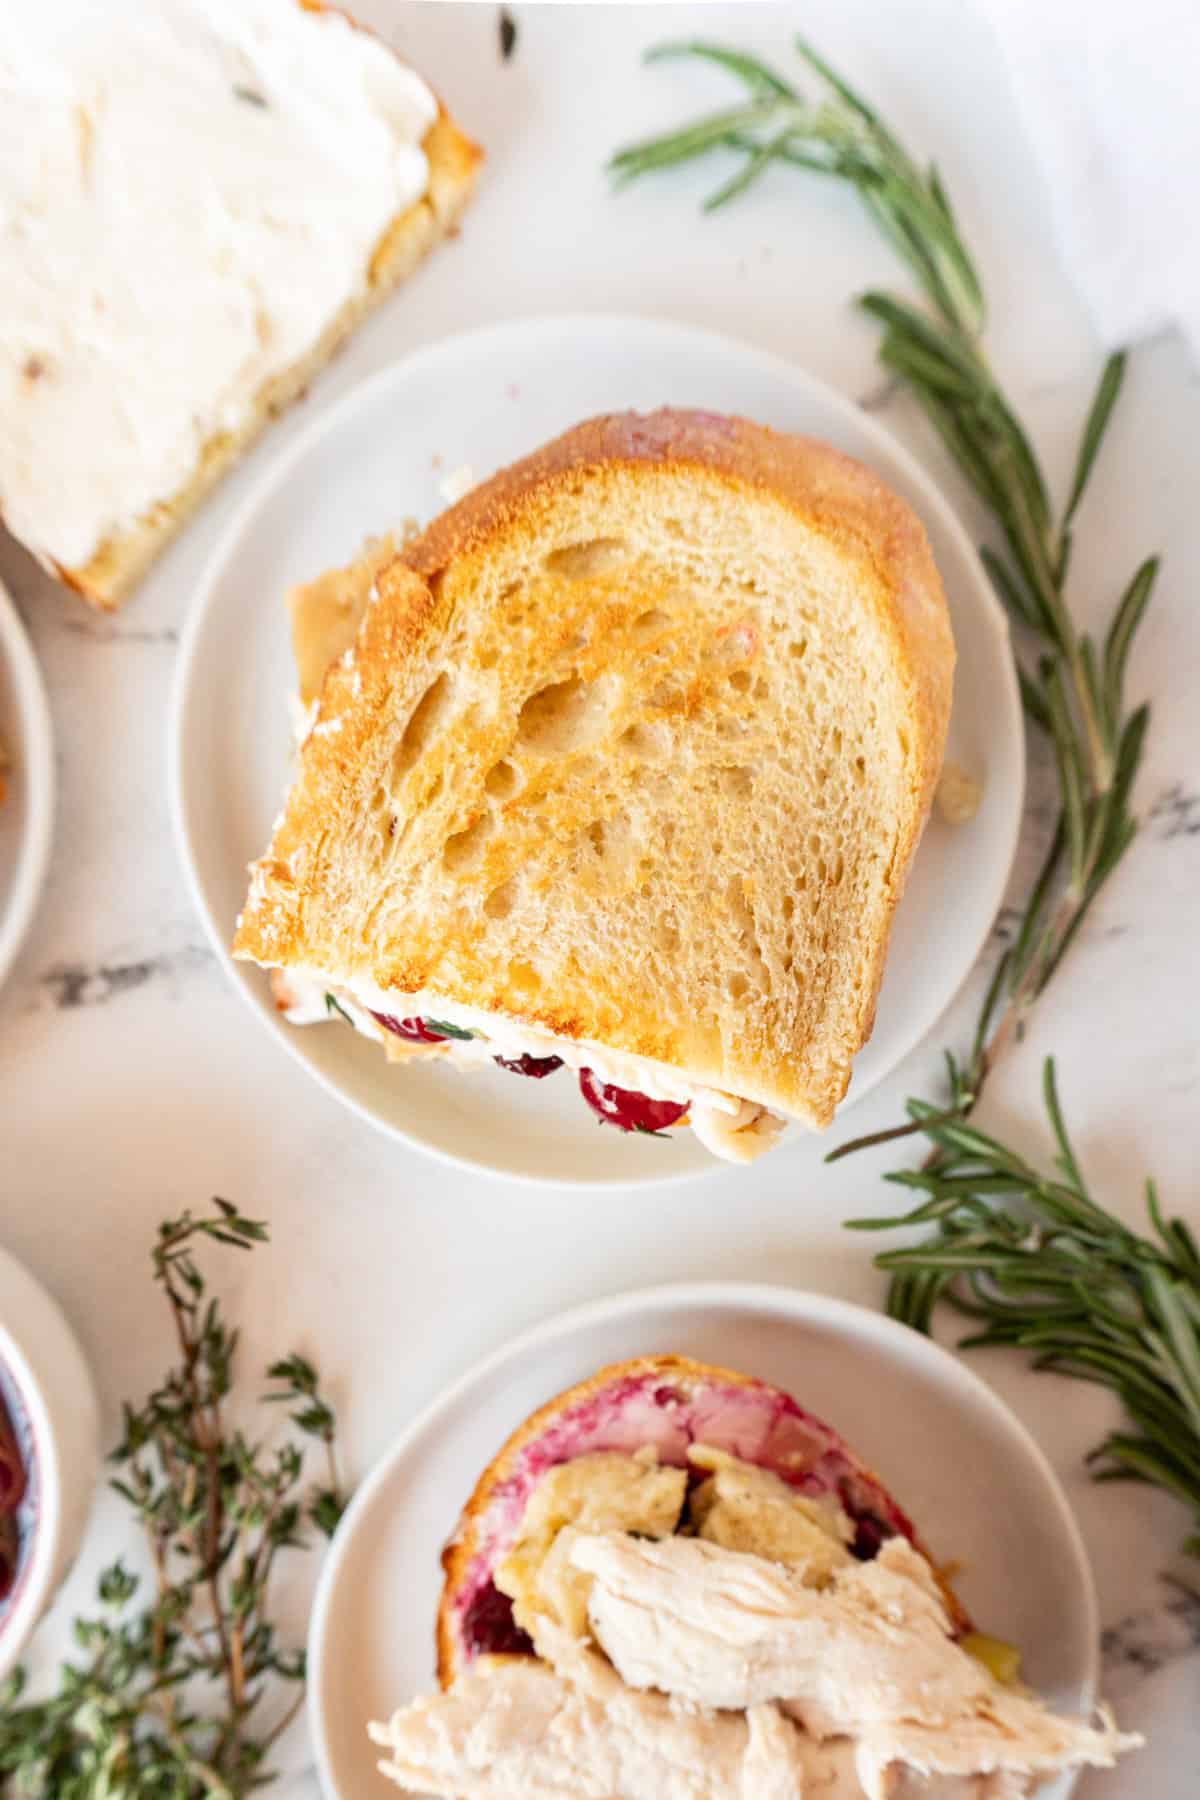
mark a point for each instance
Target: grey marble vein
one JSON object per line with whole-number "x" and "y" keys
{"x": 73, "y": 984}
{"x": 877, "y": 398}
{"x": 1143, "y": 1642}
{"x": 1176, "y": 812}
{"x": 109, "y": 631}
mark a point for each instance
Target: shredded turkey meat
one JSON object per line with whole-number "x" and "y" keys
{"x": 871, "y": 1656}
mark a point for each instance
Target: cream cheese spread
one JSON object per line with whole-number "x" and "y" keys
{"x": 191, "y": 191}
{"x": 736, "y": 1130}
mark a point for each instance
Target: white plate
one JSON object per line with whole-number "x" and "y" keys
{"x": 484, "y": 399}
{"x": 956, "y": 1459}
{"x": 27, "y": 815}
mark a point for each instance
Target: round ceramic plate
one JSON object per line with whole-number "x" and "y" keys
{"x": 978, "y": 1487}
{"x": 27, "y": 813}
{"x": 483, "y": 400}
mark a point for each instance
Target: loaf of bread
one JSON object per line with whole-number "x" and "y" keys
{"x": 635, "y": 746}
{"x": 204, "y": 201}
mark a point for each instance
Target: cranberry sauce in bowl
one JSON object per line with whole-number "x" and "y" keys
{"x": 49, "y": 1453}
{"x": 18, "y": 1493}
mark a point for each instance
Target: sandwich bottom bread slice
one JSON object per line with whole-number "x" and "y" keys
{"x": 620, "y": 767}
{"x": 673, "y": 1583}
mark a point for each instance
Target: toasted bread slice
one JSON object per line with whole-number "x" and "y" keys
{"x": 662, "y": 1403}
{"x": 113, "y": 565}
{"x": 635, "y": 746}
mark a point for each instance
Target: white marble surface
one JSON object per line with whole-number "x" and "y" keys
{"x": 133, "y": 1079}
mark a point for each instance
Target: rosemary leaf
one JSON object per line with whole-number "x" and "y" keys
{"x": 757, "y": 161}
{"x": 1111, "y": 377}
{"x": 1048, "y": 1271}
{"x": 1125, "y": 622}
{"x": 756, "y": 75}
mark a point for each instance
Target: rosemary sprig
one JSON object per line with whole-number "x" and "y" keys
{"x": 183, "y": 1695}
{"x": 1044, "y": 1268}
{"x": 1073, "y": 686}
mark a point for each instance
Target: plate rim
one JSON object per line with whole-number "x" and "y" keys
{"x": 771, "y": 1300}
{"x": 35, "y": 764}
{"x": 275, "y": 474}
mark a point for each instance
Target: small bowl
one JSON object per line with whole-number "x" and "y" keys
{"x": 47, "y": 1392}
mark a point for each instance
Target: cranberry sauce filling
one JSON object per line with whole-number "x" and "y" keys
{"x": 870, "y": 1532}
{"x": 621, "y": 1107}
{"x": 488, "y": 1626}
{"x": 625, "y": 1109}
{"x": 413, "y": 1031}
{"x": 538, "y": 1067}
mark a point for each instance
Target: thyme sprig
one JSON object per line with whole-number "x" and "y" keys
{"x": 184, "y": 1693}
{"x": 1041, "y": 1266}
{"x": 1072, "y": 685}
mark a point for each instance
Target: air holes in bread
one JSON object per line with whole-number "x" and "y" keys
{"x": 502, "y": 899}
{"x": 650, "y": 742}
{"x": 578, "y": 562}
{"x": 740, "y": 681}
{"x": 650, "y": 624}
{"x": 428, "y": 716}
{"x": 465, "y": 849}
{"x": 611, "y": 840}
{"x": 738, "y": 781}
{"x": 502, "y": 780}
{"x": 666, "y": 937}
{"x": 741, "y": 918}
{"x": 736, "y": 985}
{"x": 797, "y": 648}
{"x": 566, "y": 716}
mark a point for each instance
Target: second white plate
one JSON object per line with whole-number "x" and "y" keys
{"x": 957, "y": 1460}
{"x": 483, "y": 400}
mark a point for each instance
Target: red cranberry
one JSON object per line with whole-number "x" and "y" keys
{"x": 413, "y": 1031}
{"x": 870, "y": 1532}
{"x": 488, "y": 1626}
{"x": 536, "y": 1066}
{"x": 625, "y": 1109}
